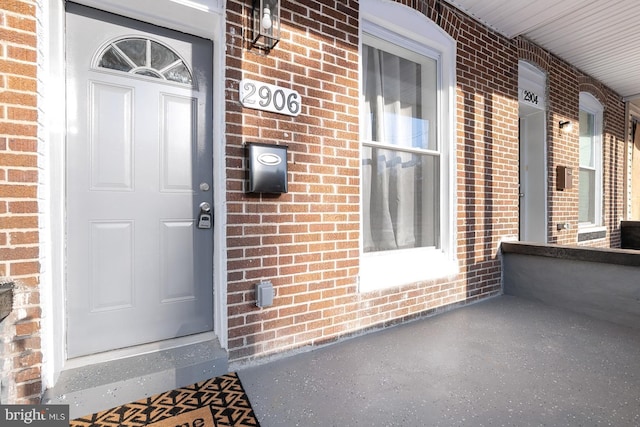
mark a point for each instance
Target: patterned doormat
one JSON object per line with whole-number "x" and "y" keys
{"x": 219, "y": 401}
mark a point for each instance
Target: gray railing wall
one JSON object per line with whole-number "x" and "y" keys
{"x": 602, "y": 283}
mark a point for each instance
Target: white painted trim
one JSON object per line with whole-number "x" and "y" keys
{"x": 203, "y": 18}
{"x": 590, "y": 104}
{"x": 588, "y": 229}
{"x": 413, "y": 30}
{"x": 153, "y": 347}
{"x": 632, "y": 113}
{"x": 52, "y": 195}
{"x": 533, "y": 79}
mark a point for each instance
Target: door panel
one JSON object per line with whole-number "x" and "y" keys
{"x": 533, "y": 217}
{"x": 111, "y": 139}
{"x": 111, "y": 259}
{"x": 138, "y": 146}
{"x": 178, "y": 131}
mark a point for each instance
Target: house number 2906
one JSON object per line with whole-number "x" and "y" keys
{"x": 266, "y": 97}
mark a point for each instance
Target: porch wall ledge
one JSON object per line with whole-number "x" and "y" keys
{"x": 577, "y": 253}
{"x": 600, "y": 283}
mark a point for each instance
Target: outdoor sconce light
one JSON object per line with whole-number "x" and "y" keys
{"x": 266, "y": 24}
{"x": 566, "y": 126}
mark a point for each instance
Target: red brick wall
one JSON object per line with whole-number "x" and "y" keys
{"x": 487, "y": 148}
{"x": 565, "y": 83}
{"x": 19, "y": 253}
{"x": 306, "y": 241}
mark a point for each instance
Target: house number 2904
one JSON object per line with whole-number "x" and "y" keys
{"x": 530, "y": 96}
{"x": 266, "y": 97}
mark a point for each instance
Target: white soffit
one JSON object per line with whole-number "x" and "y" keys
{"x": 599, "y": 37}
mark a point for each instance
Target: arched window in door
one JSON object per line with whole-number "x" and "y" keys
{"x": 146, "y": 57}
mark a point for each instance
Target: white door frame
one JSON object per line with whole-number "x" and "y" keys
{"x": 532, "y": 103}
{"x": 203, "y": 18}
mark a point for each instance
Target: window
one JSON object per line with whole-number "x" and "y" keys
{"x": 145, "y": 57}
{"x": 590, "y": 179}
{"x": 400, "y": 156}
{"x": 407, "y": 84}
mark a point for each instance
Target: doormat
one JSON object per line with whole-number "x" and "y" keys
{"x": 219, "y": 401}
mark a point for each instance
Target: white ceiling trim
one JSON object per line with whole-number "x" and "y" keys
{"x": 599, "y": 37}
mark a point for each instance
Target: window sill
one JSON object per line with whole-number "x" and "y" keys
{"x": 384, "y": 270}
{"x": 589, "y": 232}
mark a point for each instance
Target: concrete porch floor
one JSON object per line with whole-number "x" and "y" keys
{"x": 506, "y": 361}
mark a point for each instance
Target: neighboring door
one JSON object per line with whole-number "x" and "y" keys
{"x": 533, "y": 183}
{"x": 533, "y": 159}
{"x": 139, "y": 164}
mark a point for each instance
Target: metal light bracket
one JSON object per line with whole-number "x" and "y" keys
{"x": 265, "y": 24}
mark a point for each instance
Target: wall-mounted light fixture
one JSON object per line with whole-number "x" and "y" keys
{"x": 566, "y": 126}
{"x": 266, "y": 24}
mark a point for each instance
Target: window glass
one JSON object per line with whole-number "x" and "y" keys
{"x": 146, "y": 58}
{"x": 586, "y": 211}
{"x": 586, "y": 139}
{"x": 590, "y": 174}
{"x": 135, "y": 50}
{"x": 400, "y": 96}
{"x": 113, "y": 60}
{"x": 401, "y": 164}
{"x": 162, "y": 56}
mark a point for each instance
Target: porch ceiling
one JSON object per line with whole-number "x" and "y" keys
{"x": 599, "y": 37}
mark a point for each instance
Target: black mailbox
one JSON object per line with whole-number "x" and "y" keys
{"x": 267, "y": 168}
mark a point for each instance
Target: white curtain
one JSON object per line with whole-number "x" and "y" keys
{"x": 392, "y": 180}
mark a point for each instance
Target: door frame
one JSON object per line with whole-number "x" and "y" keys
{"x": 202, "y": 18}
{"x": 532, "y": 85}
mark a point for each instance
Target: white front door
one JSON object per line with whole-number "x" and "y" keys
{"x": 139, "y": 164}
{"x": 533, "y": 183}
{"x": 533, "y": 150}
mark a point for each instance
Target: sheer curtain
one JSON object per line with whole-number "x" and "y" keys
{"x": 394, "y": 190}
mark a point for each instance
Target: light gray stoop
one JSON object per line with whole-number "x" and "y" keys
{"x": 104, "y": 385}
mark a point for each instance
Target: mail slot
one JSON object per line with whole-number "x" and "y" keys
{"x": 267, "y": 168}
{"x": 563, "y": 178}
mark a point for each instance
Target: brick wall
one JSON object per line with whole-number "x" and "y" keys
{"x": 487, "y": 148}
{"x": 306, "y": 241}
{"x": 20, "y": 355}
{"x": 565, "y": 83}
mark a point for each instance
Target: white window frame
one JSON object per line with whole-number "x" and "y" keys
{"x": 591, "y": 105}
{"x": 410, "y": 29}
